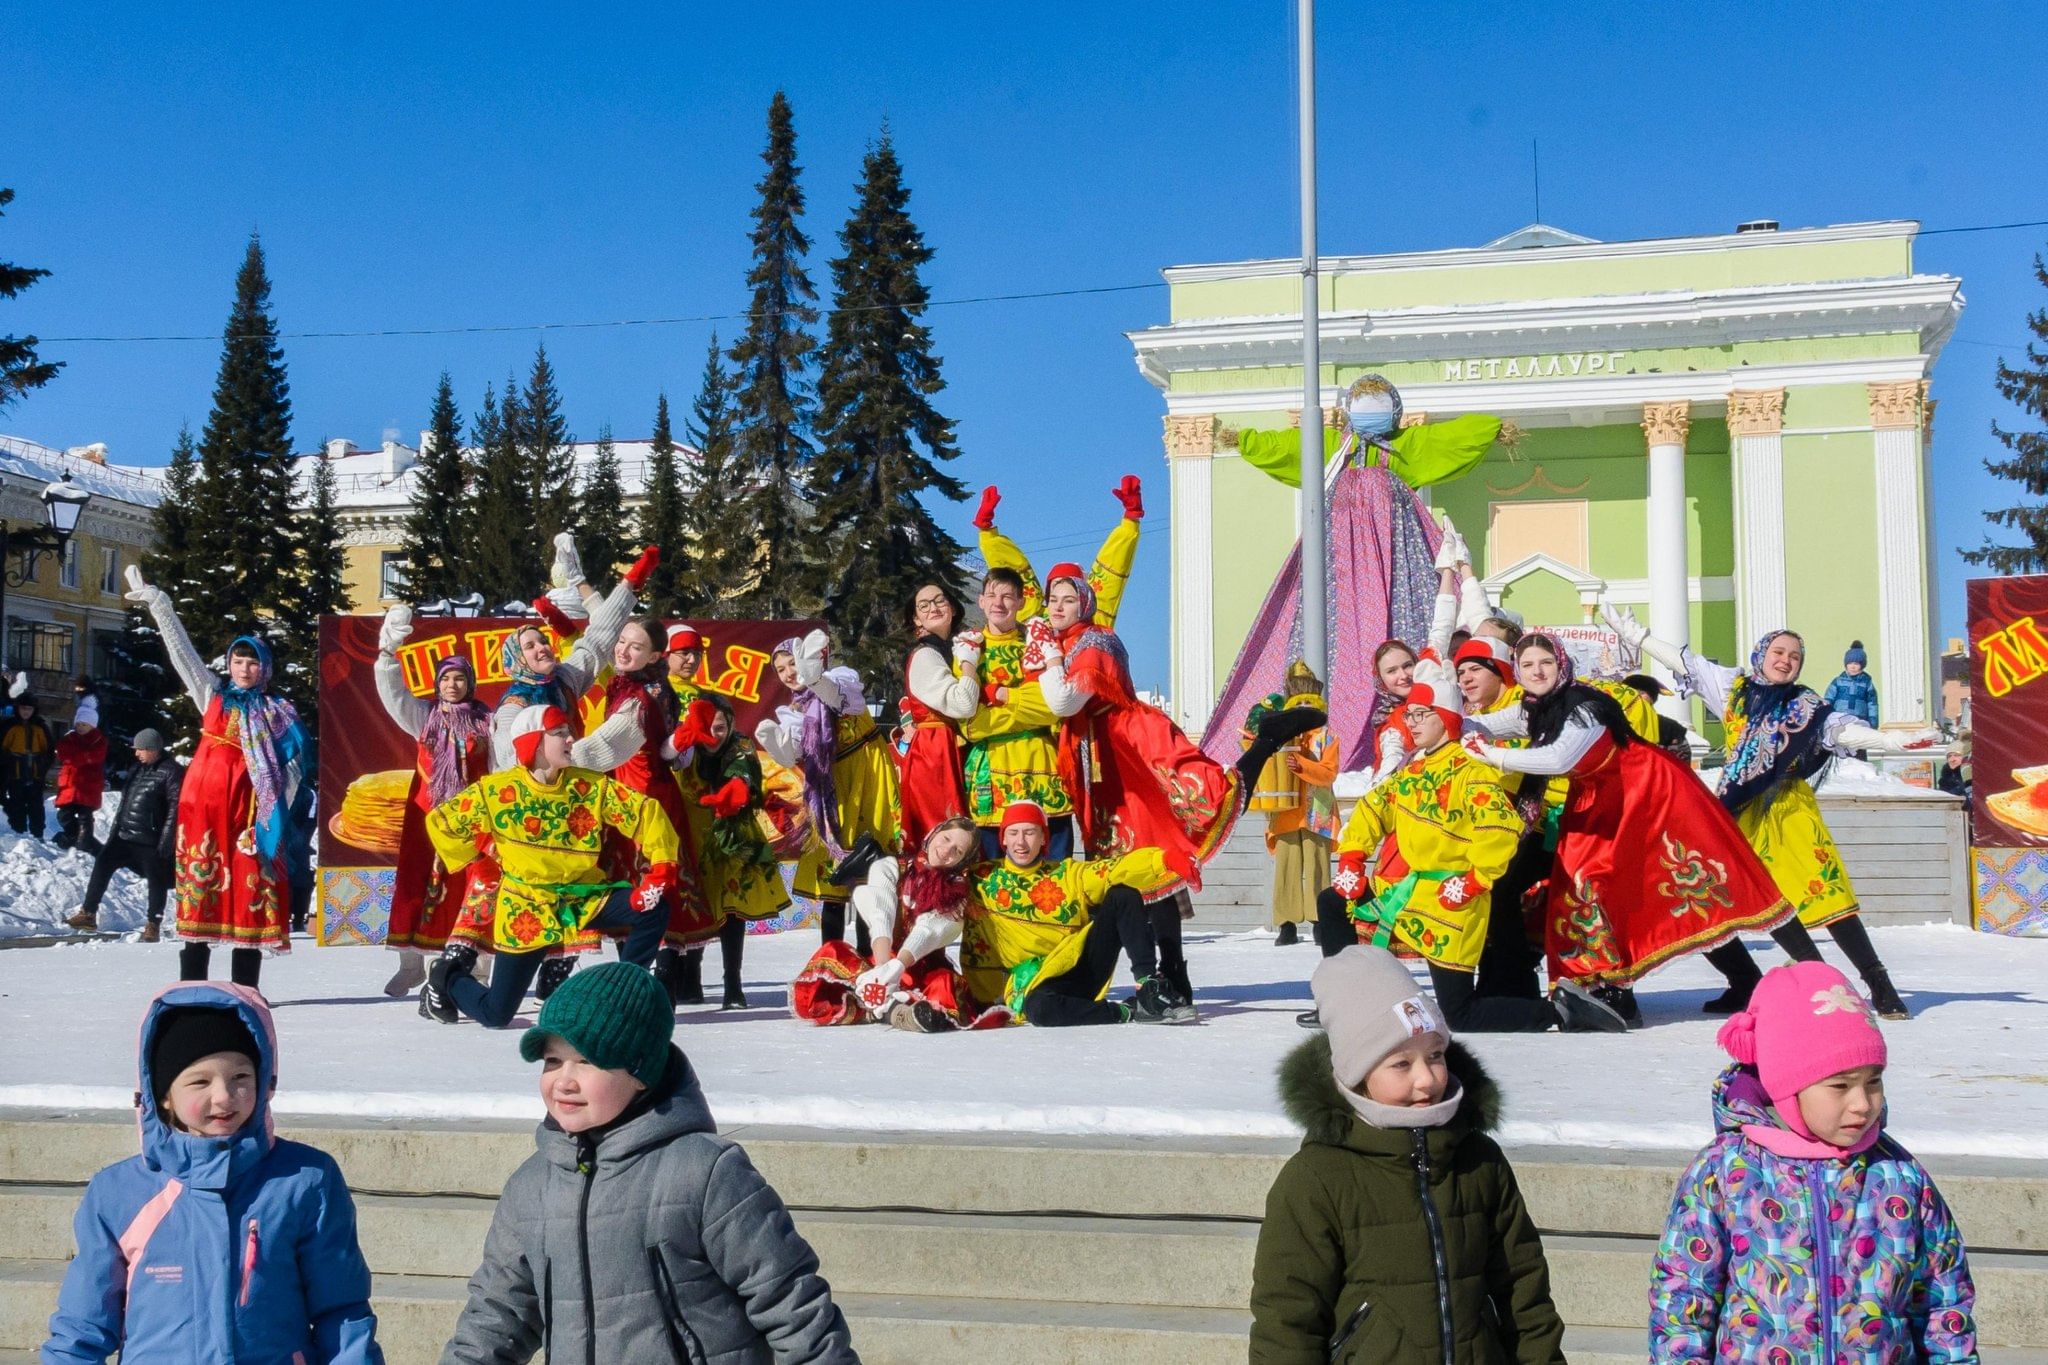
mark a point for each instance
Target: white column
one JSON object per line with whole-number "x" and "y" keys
{"x": 1756, "y": 419}
{"x": 1903, "y": 666}
{"x": 1664, "y": 428}
{"x": 1190, "y": 452}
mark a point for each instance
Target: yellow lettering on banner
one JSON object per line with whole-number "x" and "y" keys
{"x": 2014, "y": 656}
{"x": 741, "y": 679}
{"x": 418, "y": 659}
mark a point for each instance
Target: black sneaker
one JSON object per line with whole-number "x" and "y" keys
{"x": 435, "y": 1003}
{"x": 553, "y": 973}
{"x": 1156, "y": 1003}
{"x": 854, "y": 866}
{"x": 1580, "y": 1012}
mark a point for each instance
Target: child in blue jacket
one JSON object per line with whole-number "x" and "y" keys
{"x": 219, "y": 1242}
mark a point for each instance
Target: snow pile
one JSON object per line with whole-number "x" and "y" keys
{"x": 1968, "y": 1074}
{"x": 41, "y": 885}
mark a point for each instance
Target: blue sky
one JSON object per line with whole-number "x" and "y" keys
{"x": 438, "y": 166}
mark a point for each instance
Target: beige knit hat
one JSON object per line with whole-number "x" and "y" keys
{"x": 1369, "y": 1005}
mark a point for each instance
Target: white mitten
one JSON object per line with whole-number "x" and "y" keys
{"x": 20, "y": 684}
{"x": 1041, "y": 642}
{"x": 811, "y": 653}
{"x": 141, "y": 591}
{"x": 568, "y": 567}
{"x": 1447, "y": 551}
{"x": 396, "y": 630}
{"x": 967, "y": 648}
{"x": 569, "y": 601}
{"x": 877, "y": 985}
{"x": 1622, "y": 621}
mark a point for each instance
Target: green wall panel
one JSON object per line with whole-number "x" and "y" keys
{"x": 1253, "y": 531}
{"x": 1830, "y": 559}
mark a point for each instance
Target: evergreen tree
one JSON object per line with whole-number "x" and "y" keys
{"x": 773, "y": 439}
{"x": 21, "y": 369}
{"x": 721, "y": 551}
{"x": 549, "y": 452}
{"x": 881, "y": 440}
{"x": 317, "y": 587}
{"x": 143, "y": 686}
{"x": 2026, "y": 388}
{"x": 662, "y": 514}
{"x": 504, "y": 565}
{"x": 244, "y": 501}
{"x": 435, "y": 541}
{"x": 605, "y": 539}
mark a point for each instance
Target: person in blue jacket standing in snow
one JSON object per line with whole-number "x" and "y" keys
{"x": 219, "y": 1242}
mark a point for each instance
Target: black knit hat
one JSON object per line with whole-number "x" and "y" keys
{"x": 185, "y": 1033}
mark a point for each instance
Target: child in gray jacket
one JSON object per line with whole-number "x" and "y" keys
{"x": 636, "y": 1233}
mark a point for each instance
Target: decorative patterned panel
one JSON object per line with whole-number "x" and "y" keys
{"x": 355, "y": 905}
{"x": 2012, "y": 891}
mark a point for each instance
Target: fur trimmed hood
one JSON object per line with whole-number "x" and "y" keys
{"x": 1309, "y": 1094}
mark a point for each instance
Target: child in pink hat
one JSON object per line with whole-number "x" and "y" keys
{"x": 1802, "y": 1232}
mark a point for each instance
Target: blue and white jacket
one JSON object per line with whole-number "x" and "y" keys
{"x": 216, "y": 1251}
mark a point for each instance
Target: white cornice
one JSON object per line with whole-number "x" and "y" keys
{"x": 1578, "y": 402}
{"x": 1926, "y": 305}
{"x": 1457, "y": 257}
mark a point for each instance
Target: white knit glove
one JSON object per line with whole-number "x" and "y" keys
{"x": 1623, "y": 622}
{"x": 568, "y": 567}
{"x": 810, "y": 657}
{"x": 967, "y": 648}
{"x": 1447, "y": 551}
{"x": 143, "y": 592}
{"x": 396, "y": 630}
{"x": 569, "y": 601}
{"x": 875, "y": 986}
{"x": 20, "y": 685}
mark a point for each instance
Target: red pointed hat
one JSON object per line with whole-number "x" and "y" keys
{"x": 1484, "y": 649}
{"x": 529, "y": 726}
{"x": 683, "y": 637}
{"x": 1453, "y": 713}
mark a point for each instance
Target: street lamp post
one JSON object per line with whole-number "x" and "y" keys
{"x": 64, "y": 506}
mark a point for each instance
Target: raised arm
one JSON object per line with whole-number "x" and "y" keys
{"x": 998, "y": 551}
{"x": 1695, "y": 676}
{"x": 1112, "y": 568}
{"x": 1847, "y": 734}
{"x": 407, "y": 712}
{"x": 201, "y": 683}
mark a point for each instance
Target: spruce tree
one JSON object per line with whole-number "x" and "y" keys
{"x": 244, "y": 501}
{"x": 772, "y": 356}
{"x": 2026, "y": 388}
{"x": 721, "y": 550}
{"x": 542, "y": 435}
{"x": 435, "y": 539}
{"x": 21, "y": 369}
{"x": 143, "y": 678}
{"x": 317, "y": 586}
{"x": 503, "y": 560}
{"x": 605, "y": 540}
{"x": 881, "y": 440}
{"x": 661, "y": 520}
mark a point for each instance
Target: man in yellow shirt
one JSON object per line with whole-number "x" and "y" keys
{"x": 1445, "y": 832}
{"x": 545, "y": 823}
{"x": 1043, "y": 935}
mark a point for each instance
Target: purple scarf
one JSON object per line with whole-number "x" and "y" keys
{"x": 449, "y": 729}
{"x": 817, "y": 743}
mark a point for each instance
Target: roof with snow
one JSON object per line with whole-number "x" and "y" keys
{"x": 88, "y": 468}
{"x": 367, "y": 480}
{"x": 1538, "y": 234}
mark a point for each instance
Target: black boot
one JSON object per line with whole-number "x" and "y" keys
{"x": 1884, "y": 997}
{"x": 1733, "y": 961}
{"x": 1622, "y": 1000}
{"x": 681, "y": 973}
{"x": 553, "y": 973}
{"x": 732, "y": 945}
{"x": 735, "y": 997}
{"x": 1579, "y": 1011}
{"x": 1288, "y": 936}
{"x": 1275, "y": 730}
{"x": 854, "y": 866}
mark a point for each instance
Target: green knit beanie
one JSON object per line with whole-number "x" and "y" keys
{"x": 617, "y": 1015}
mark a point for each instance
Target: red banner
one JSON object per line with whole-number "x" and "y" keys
{"x": 361, "y": 747}
{"x": 2009, "y": 710}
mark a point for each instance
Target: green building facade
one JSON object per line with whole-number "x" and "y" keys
{"x": 1728, "y": 433}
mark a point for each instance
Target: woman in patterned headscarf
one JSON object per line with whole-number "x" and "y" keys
{"x": 1779, "y": 737}
{"x": 249, "y": 780}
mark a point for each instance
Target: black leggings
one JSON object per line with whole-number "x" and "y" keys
{"x": 1120, "y": 924}
{"x": 1165, "y": 924}
{"x": 1733, "y": 961}
{"x": 832, "y": 925}
{"x": 244, "y": 964}
{"x": 1465, "y": 1010}
{"x": 1508, "y": 963}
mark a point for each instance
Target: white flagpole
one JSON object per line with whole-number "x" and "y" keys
{"x": 1314, "y": 555}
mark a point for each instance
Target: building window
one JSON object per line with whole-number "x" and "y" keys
{"x": 67, "y": 575}
{"x": 1517, "y": 530}
{"x": 40, "y": 645}
{"x": 106, "y": 660}
{"x": 110, "y": 571}
{"x": 391, "y": 575}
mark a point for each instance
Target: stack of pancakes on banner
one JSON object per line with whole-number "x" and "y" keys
{"x": 372, "y": 814}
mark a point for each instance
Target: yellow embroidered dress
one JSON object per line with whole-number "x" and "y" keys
{"x": 548, "y": 839}
{"x": 1027, "y": 924}
{"x": 1013, "y": 748}
{"x": 1447, "y": 813}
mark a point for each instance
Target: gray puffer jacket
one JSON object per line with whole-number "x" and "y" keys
{"x": 661, "y": 1234}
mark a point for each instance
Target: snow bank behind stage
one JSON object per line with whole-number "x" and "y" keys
{"x": 1969, "y": 1075}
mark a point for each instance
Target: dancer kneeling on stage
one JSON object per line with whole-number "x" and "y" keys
{"x": 546, "y": 821}
{"x": 1446, "y": 834}
{"x": 913, "y": 908}
{"x": 1042, "y": 937}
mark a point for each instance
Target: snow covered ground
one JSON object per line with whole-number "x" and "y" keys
{"x": 1969, "y": 1074}
{"x": 42, "y": 885}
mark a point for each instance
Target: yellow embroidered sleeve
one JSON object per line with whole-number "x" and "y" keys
{"x": 1025, "y": 710}
{"x": 1112, "y": 570}
{"x": 1142, "y": 869}
{"x": 453, "y": 826}
{"x": 1372, "y": 819}
{"x": 641, "y": 819}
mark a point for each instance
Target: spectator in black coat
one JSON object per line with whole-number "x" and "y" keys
{"x": 27, "y": 749}
{"x": 141, "y": 842}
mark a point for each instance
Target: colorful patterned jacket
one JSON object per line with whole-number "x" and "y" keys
{"x": 1741, "y": 1275}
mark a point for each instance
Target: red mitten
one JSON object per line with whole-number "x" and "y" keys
{"x": 1131, "y": 494}
{"x": 988, "y": 694}
{"x": 985, "y": 515}
{"x": 559, "y": 623}
{"x": 1349, "y": 880}
{"x": 656, "y": 884}
{"x": 1459, "y": 890}
{"x": 695, "y": 728}
{"x": 643, "y": 568}
{"x": 728, "y": 800}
